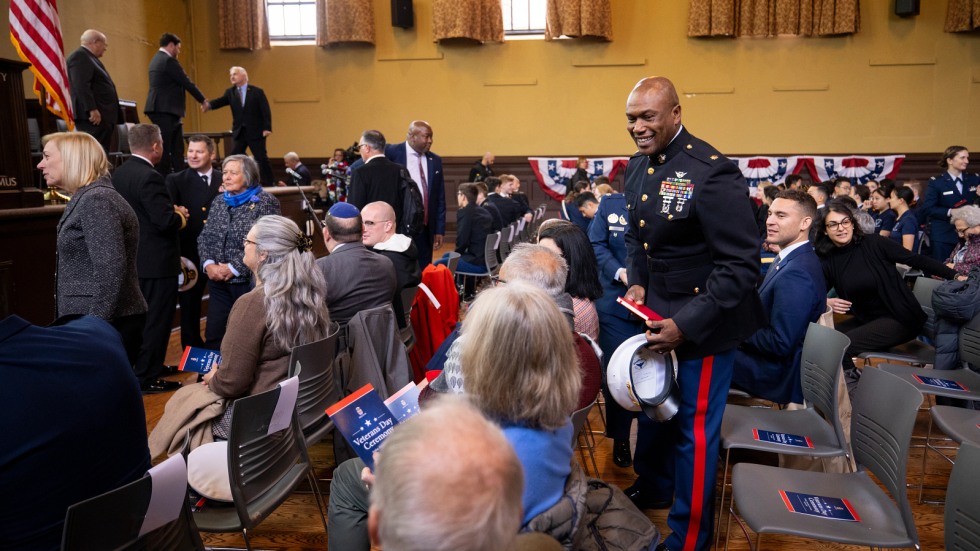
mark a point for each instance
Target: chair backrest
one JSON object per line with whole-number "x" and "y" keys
{"x": 885, "y": 408}
{"x": 820, "y": 367}
{"x": 970, "y": 342}
{"x": 258, "y": 459}
{"x": 123, "y": 132}
{"x": 490, "y": 250}
{"x": 452, "y": 261}
{"x": 34, "y": 135}
{"x": 408, "y": 299}
{"x": 134, "y": 514}
{"x": 578, "y": 420}
{"x": 923, "y": 288}
{"x": 312, "y": 363}
{"x": 962, "y": 505}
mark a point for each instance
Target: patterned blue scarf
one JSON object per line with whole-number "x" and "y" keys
{"x": 243, "y": 197}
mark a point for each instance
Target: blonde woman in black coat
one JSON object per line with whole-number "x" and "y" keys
{"x": 97, "y": 238}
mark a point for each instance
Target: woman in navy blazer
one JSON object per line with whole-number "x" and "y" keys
{"x": 953, "y": 188}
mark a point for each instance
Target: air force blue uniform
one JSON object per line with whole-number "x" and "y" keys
{"x": 941, "y": 196}
{"x": 694, "y": 245}
{"x": 767, "y": 364}
{"x": 607, "y": 232}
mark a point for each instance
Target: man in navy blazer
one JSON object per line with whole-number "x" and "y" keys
{"x": 425, "y": 168}
{"x": 953, "y": 188}
{"x": 93, "y": 93}
{"x": 165, "y": 102}
{"x": 794, "y": 293}
{"x": 251, "y": 119}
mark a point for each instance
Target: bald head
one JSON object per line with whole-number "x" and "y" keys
{"x": 379, "y": 223}
{"x": 653, "y": 114}
{"x": 95, "y": 42}
{"x": 238, "y": 76}
{"x": 420, "y": 136}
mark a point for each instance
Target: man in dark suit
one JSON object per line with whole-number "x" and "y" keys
{"x": 194, "y": 189}
{"x": 508, "y": 208}
{"x": 693, "y": 250}
{"x": 357, "y": 278}
{"x": 93, "y": 93}
{"x": 158, "y": 255}
{"x": 425, "y": 168}
{"x": 165, "y": 103}
{"x": 251, "y": 119}
{"x": 301, "y": 175}
{"x": 377, "y": 179}
{"x": 380, "y": 236}
{"x": 794, "y": 293}
{"x": 953, "y": 188}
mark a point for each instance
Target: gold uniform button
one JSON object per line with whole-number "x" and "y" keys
{"x": 644, "y": 198}
{"x": 643, "y": 223}
{"x": 714, "y": 157}
{"x": 646, "y": 246}
{"x": 689, "y": 146}
{"x": 204, "y": 209}
{"x": 670, "y": 217}
{"x": 650, "y": 170}
{"x": 697, "y": 290}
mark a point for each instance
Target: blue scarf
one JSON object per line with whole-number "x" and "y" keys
{"x": 243, "y": 197}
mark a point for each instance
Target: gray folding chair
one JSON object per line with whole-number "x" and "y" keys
{"x": 820, "y": 369}
{"x": 452, "y": 261}
{"x": 312, "y": 363}
{"x": 580, "y": 420}
{"x": 962, "y": 506}
{"x": 264, "y": 467}
{"x": 489, "y": 257}
{"x": 914, "y": 352}
{"x": 885, "y": 408}
{"x": 407, "y": 335}
{"x": 133, "y": 516}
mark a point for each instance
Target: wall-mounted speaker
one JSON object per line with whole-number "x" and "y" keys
{"x": 403, "y": 16}
{"x": 906, "y": 8}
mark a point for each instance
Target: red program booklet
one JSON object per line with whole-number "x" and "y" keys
{"x": 641, "y": 310}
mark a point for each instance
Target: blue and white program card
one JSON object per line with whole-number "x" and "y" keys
{"x": 782, "y": 438}
{"x": 831, "y": 508}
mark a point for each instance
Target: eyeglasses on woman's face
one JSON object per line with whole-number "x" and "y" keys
{"x": 845, "y": 223}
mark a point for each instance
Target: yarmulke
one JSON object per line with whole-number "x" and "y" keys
{"x": 343, "y": 210}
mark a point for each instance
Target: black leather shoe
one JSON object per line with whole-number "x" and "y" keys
{"x": 169, "y": 370}
{"x": 621, "y": 453}
{"x": 643, "y": 499}
{"x": 159, "y": 385}
{"x": 662, "y": 547}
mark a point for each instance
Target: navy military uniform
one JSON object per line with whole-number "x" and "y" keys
{"x": 607, "y": 232}
{"x": 693, "y": 244}
{"x": 942, "y": 195}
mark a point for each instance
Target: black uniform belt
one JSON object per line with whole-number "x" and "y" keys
{"x": 674, "y": 264}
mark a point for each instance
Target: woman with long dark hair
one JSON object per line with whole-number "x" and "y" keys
{"x": 583, "y": 273}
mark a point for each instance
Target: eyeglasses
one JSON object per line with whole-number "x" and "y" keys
{"x": 247, "y": 241}
{"x": 360, "y": 145}
{"x": 370, "y": 223}
{"x": 845, "y": 223}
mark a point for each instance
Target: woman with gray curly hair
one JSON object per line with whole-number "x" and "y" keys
{"x": 220, "y": 243}
{"x": 290, "y": 300}
{"x": 966, "y": 255}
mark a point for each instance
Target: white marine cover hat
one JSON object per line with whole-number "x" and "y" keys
{"x": 640, "y": 379}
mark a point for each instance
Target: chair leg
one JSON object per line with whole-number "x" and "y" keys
{"x": 925, "y": 453}
{"x": 721, "y": 505}
{"x": 248, "y": 544}
{"x": 321, "y": 504}
{"x": 581, "y": 452}
{"x": 590, "y": 444}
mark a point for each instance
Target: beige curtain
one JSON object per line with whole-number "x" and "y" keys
{"x": 768, "y": 18}
{"x": 339, "y": 21}
{"x": 242, "y": 24}
{"x": 962, "y": 16}
{"x": 577, "y": 18}
{"x": 480, "y": 20}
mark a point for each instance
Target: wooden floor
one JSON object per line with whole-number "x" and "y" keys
{"x": 296, "y": 525}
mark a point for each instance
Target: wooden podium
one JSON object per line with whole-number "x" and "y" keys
{"x": 16, "y": 182}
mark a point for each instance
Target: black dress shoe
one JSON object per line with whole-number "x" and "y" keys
{"x": 621, "y": 453}
{"x": 159, "y": 385}
{"x": 170, "y": 370}
{"x": 662, "y": 547}
{"x": 643, "y": 499}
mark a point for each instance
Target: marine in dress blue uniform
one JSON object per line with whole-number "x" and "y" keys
{"x": 693, "y": 247}
{"x": 946, "y": 192}
{"x": 607, "y": 232}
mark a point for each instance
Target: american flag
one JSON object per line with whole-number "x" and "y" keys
{"x": 35, "y": 31}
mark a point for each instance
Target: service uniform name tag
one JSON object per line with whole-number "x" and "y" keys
{"x": 674, "y": 196}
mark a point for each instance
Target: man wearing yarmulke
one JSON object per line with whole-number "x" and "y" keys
{"x": 357, "y": 279}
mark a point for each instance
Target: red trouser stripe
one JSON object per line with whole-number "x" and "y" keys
{"x": 700, "y": 456}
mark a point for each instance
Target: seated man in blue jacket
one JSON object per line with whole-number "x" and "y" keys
{"x": 794, "y": 294}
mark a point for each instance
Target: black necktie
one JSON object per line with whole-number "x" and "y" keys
{"x": 205, "y": 178}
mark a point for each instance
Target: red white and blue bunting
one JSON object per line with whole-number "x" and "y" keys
{"x": 771, "y": 169}
{"x": 553, "y": 173}
{"x": 860, "y": 169}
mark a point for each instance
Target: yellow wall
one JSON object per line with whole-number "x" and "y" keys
{"x": 900, "y": 85}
